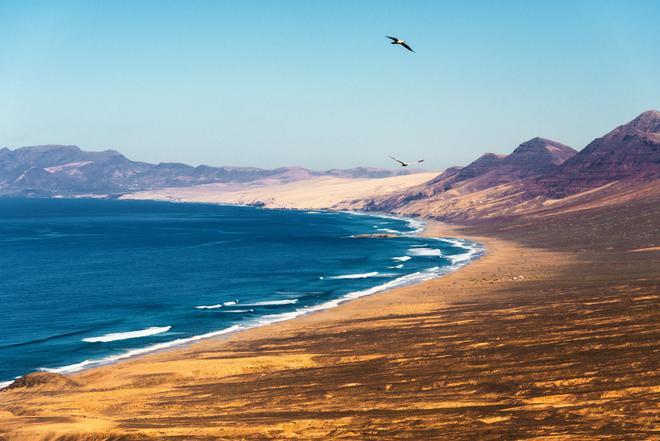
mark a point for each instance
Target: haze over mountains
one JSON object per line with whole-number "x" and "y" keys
{"x": 538, "y": 175}
{"x": 63, "y": 170}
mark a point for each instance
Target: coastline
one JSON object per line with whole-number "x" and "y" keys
{"x": 345, "y": 307}
{"x": 523, "y": 341}
{"x": 418, "y": 226}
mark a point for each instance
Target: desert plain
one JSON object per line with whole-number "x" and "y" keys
{"x": 551, "y": 335}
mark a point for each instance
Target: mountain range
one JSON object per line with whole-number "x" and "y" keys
{"x": 537, "y": 174}
{"x": 66, "y": 170}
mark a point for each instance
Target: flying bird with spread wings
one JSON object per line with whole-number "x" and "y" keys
{"x": 405, "y": 164}
{"x": 400, "y": 42}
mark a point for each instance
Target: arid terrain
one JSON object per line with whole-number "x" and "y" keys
{"x": 552, "y": 335}
{"x": 315, "y": 193}
{"x": 68, "y": 171}
{"x": 539, "y": 176}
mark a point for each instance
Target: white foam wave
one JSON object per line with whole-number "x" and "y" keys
{"x": 461, "y": 259}
{"x": 408, "y": 279}
{"x": 234, "y": 311}
{"x": 132, "y": 353}
{"x": 127, "y": 335}
{"x": 389, "y": 230}
{"x": 457, "y": 261}
{"x": 272, "y": 302}
{"x": 263, "y": 320}
{"x": 219, "y": 305}
{"x": 453, "y": 242}
{"x": 427, "y": 252}
{"x": 360, "y": 276}
{"x": 472, "y": 249}
{"x": 416, "y": 225}
{"x": 4, "y": 384}
{"x": 396, "y": 266}
{"x": 300, "y": 292}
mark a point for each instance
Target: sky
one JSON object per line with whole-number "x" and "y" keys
{"x": 316, "y": 83}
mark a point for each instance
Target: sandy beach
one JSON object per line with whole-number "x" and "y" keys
{"x": 530, "y": 341}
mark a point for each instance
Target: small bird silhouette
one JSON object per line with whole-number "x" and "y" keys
{"x": 400, "y": 42}
{"x": 405, "y": 164}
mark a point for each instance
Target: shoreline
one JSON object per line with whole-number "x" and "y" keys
{"x": 419, "y": 229}
{"x": 143, "y": 378}
{"x": 524, "y": 343}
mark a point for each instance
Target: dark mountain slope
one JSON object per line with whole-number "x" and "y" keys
{"x": 630, "y": 150}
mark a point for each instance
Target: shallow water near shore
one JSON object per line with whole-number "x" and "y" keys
{"x": 89, "y": 282}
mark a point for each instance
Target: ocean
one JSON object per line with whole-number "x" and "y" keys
{"x": 86, "y": 282}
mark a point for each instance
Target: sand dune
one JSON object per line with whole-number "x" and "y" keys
{"x": 314, "y": 193}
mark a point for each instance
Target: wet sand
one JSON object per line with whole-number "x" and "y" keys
{"x": 551, "y": 335}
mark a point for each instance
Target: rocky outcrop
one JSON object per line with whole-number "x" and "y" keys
{"x": 539, "y": 156}
{"x": 43, "y": 380}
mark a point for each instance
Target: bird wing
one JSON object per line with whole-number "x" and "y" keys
{"x": 400, "y": 162}
{"x": 392, "y": 38}
{"x": 421, "y": 160}
{"x": 407, "y": 47}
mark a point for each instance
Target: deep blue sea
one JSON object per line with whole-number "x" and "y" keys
{"x": 87, "y": 282}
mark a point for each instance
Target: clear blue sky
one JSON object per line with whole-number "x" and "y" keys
{"x": 315, "y": 83}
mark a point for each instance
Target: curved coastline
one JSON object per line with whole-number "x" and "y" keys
{"x": 473, "y": 251}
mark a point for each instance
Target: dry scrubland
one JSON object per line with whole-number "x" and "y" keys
{"x": 552, "y": 335}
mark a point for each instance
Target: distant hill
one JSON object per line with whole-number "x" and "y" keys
{"x": 65, "y": 170}
{"x": 537, "y": 173}
{"x": 370, "y": 172}
{"x": 533, "y": 158}
{"x": 632, "y": 149}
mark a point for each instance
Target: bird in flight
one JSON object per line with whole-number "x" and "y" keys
{"x": 400, "y": 42}
{"x": 405, "y": 164}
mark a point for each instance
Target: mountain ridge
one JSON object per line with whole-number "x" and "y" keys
{"x": 631, "y": 149}
{"x": 67, "y": 170}
{"x": 536, "y": 173}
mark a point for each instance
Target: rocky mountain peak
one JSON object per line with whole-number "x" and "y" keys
{"x": 540, "y": 153}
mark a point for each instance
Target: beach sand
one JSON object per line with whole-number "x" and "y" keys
{"x": 551, "y": 335}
